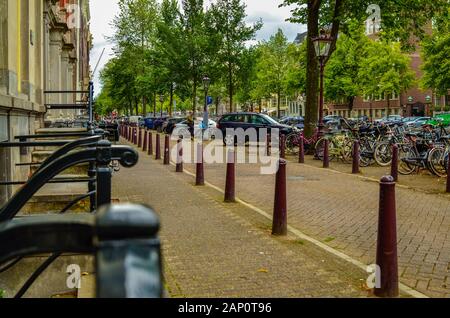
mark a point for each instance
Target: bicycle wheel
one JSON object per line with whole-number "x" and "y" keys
{"x": 404, "y": 167}
{"x": 292, "y": 144}
{"x": 347, "y": 151}
{"x": 383, "y": 154}
{"x": 365, "y": 156}
{"x": 320, "y": 146}
{"x": 436, "y": 162}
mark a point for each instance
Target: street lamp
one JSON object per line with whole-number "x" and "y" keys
{"x": 206, "y": 83}
{"x": 161, "y": 99}
{"x": 322, "y": 45}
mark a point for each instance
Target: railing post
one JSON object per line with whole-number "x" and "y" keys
{"x": 355, "y": 153}
{"x": 230, "y": 185}
{"x": 104, "y": 173}
{"x": 387, "y": 241}
{"x": 124, "y": 233}
{"x": 279, "y": 226}
{"x": 394, "y": 164}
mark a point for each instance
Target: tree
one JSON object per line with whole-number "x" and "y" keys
{"x": 341, "y": 76}
{"x": 229, "y": 33}
{"x": 435, "y": 54}
{"x": 246, "y": 76}
{"x": 194, "y": 44}
{"x": 399, "y": 20}
{"x": 295, "y": 80}
{"x": 272, "y": 66}
{"x": 385, "y": 71}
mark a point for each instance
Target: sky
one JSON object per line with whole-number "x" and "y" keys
{"x": 103, "y": 11}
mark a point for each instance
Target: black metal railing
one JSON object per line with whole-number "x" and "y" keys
{"x": 114, "y": 235}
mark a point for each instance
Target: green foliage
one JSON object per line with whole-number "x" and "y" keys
{"x": 436, "y": 57}
{"x": 386, "y": 70}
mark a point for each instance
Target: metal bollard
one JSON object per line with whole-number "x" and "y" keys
{"x": 387, "y": 241}
{"x": 283, "y": 146}
{"x": 135, "y": 136}
{"x": 301, "y": 154}
{"x": 355, "y": 153}
{"x": 326, "y": 156}
{"x": 140, "y": 138}
{"x": 199, "y": 171}
{"x": 129, "y": 134}
{"x": 150, "y": 144}
{"x": 179, "y": 167}
{"x": 145, "y": 145}
{"x": 279, "y": 226}
{"x": 394, "y": 164}
{"x": 166, "y": 150}
{"x": 158, "y": 147}
{"x": 268, "y": 142}
{"x": 230, "y": 184}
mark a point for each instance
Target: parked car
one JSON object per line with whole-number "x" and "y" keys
{"x": 134, "y": 120}
{"x": 390, "y": 119}
{"x": 250, "y": 120}
{"x": 334, "y": 118}
{"x": 182, "y": 127}
{"x": 158, "y": 122}
{"x": 418, "y": 122}
{"x": 298, "y": 122}
{"x": 149, "y": 122}
{"x": 443, "y": 119}
{"x": 169, "y": 125}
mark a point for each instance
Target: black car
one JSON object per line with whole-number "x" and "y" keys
{"x": 246, "y": 121}
{"x": 169, "y": 125}
{"x": 297, "y": 121}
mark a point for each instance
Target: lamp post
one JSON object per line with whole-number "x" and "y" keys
{"x": 322, "y": 45}
{"x": 161, "y": 99}
{"x": 206, "y": 82}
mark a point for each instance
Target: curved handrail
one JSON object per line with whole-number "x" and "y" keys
{"x": 88, "y": 141}
{"x": 126, "y": 155}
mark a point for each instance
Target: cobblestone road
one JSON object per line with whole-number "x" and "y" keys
{"x": 212, "y": 249}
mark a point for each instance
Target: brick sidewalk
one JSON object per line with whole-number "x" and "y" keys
{"x": 212, "y": 249}
{"x": 341, "y": 210}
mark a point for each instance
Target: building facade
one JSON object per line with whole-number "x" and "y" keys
{"x": 44, "y": 45}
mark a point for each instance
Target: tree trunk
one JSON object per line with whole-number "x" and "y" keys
{"x": 230, "y": 86}
{"x": 279, "y": 104}
{"x": 136, "y": 101}
{"x": 260, "y": 106}
{"x": 171, "y": 100}
{"x": 194, "y": 98}
{"x": 144, "y": 105}
{"x": 217, "y": 105}
{"x": 312, "y": 73}
{"x": 154, "y": 104}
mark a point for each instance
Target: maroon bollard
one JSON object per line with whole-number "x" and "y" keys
{"x": 129, "y": 134}
{"x": 140, "y": 138}
{"x": 268, "y": 142}
{"x": 135, "y": 136}
{"x": 301, "y": 152}
{"x": 158, "y": 147}
{"x": 199, "y": 170}
{"x": 279, "y": 226}
{"x": 230, "y": 192}
{"x": 355, "y": 153}
{"x": 387, "y": 282}
{"x": 394, "y": 163}
{"x": 326, "y": 154}
{"x": 150, "y": 144}
{"x": 179, "y": 167}
{"x": 283, "y": 146}
{"x": 166, "y": 150}
{"x": 145, "y": 145}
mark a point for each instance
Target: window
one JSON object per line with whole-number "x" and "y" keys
{"x": 258, "y": 120}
